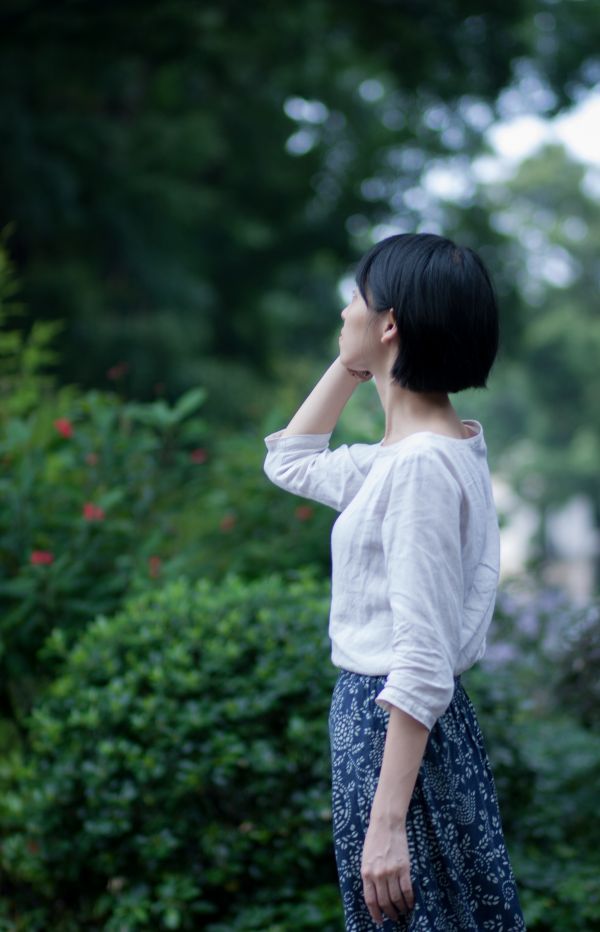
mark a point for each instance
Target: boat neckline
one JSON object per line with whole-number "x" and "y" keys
{"x": 469, "y": 422}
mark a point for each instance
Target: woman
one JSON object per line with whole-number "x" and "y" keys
{"x": 418, "y": 839}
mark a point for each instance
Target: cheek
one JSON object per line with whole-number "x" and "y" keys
{"x": 369, "y": 331}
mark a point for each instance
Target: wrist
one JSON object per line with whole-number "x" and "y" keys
{"x": 351, "y": 377}
{"x": 342, "y": 368}
{"x": 388, "y": 811}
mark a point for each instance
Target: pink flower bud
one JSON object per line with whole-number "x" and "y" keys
{"x": 199, "y": 455}
{"x": 93, "y": 512}
{"x": 228, "y": 522}
{"x": 154, "y": 565}
{"x": 64, "y": 427}
{"x": 40, "y": 557}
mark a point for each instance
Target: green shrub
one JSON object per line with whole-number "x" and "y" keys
{"x": 535, "y": 695}
{"x": 23, "y": 359}
{"x": 103, "y": 498}
{"x": 578, "y": 686}
{"x": 238, "y": 521}
{"x": 178, "y": 771}
{"x": 179, "y": 767}
{"x": 90, "y": 486}
{"x": 546, "y": 767}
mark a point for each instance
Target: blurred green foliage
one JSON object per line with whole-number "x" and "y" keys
{"x": 541, "y": 412}
{"x": 536, "y": 693}
{"x": 188, "y": 181}
{"x": 181, "y": 188}
{"x": 89, "y": 496}
{"x": 105, "y": 497}
{"x": 90, "y": 488}
{"x": 236, "y": 520}
{"x": 177, "y": 770}
{"x": 23, "y": 357}
{"x": 133, "y": 687}
{"x": 178, "y": 220}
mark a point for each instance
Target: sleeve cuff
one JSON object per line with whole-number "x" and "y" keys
{"x": 392, "y": 696}
{"x": 297, "y": 441}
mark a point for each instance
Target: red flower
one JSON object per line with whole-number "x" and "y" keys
{"x": 228, "y": 522}
{"x": 154, "y": 564}
{"x": 199, "y": 455}
{"x": 117, "y": 371}
{"x": 33, "y": 846}
{"x": 93, "y": 512}
{"x": 39, "y": 557}
{"x": 91, "y": 458}
{"x": 304, "y": 512}
{"x": 64, "y": 427}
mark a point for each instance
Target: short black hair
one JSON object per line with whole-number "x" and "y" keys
{"x": 444, "y": 305}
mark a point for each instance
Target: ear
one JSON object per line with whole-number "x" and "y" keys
{"x": 389, "y": 327}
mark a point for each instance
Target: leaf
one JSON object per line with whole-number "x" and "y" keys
{"x": 189, "y": 402}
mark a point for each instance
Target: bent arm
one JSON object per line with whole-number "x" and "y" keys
{"x": 298, "y": 457}
{"x": 320, "y": 411}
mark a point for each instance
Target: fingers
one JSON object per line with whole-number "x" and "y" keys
{"x": 401, "y": 892}
{"x": 363, "y": 375}
{"x": 370, "y": 895}
{"x": 390, "y": 895}
{"x": 385, "y": 900}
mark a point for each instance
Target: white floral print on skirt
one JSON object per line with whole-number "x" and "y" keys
{"x": 460, "y": 869}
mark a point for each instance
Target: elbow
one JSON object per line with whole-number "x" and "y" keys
{"x": 441, "y": 693}
{"x": 277, "y": 474}
{"x": 443, "y": 700}
{"x": 268, "y": 468}
{"x": 425, "y": 698}
{"x": 272, "y": 468}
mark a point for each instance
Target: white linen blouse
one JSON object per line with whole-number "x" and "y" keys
{"x": 415, "y": 555}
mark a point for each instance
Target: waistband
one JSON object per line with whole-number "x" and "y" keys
{"x": 378, "y": 676}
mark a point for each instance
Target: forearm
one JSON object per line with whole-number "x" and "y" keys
{"x": 404, "y": 749}
{"x": 321, "y": 410}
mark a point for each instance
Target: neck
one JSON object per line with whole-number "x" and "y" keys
{"x": 407, "y": 411}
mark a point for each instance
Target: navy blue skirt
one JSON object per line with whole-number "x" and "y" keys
{"x": 461, "y": 875}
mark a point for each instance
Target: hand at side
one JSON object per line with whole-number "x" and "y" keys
{"x": 385, "y": 869}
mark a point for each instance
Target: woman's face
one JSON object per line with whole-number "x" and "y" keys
{"x": 358, "y": 340}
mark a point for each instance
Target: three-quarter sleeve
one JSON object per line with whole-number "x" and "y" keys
{"x": 421, "y": 532}
{"x": 304, "y": 465}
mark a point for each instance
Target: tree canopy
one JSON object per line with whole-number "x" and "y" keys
{"x": 187, "y": 182}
